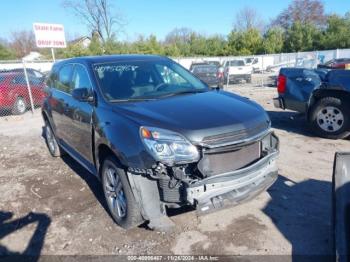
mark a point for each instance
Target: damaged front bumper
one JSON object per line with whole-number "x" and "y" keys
{"x": 234, "y": 187}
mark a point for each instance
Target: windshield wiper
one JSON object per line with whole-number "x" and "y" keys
{"x": 183, "y": 92}
{"x": 131, "y": 100}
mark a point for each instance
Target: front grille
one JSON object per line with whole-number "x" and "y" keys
{"x": 242, "y": 134}
{"x": 228, "y": 159}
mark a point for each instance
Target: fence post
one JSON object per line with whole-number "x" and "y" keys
{"x": 28, "y": 87}
{"x": 228, "y": 75}
{"x": 262, "y": 70}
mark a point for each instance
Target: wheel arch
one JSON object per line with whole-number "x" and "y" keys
{"x": 104, "y": 150}
{"x": 322, "y": 93}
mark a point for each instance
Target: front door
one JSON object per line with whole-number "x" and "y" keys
{"x": 81, "y": 113}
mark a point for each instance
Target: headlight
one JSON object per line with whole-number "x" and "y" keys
{"x": 168, "y": 147}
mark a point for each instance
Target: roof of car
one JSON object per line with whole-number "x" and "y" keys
{"x": 113, "y": 58}
{"x": 9, "y": 73}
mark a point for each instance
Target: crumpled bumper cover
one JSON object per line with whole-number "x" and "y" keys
{"x": 233, "y": 188}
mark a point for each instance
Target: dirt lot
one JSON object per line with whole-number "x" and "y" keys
{"x": 54, "y": 206}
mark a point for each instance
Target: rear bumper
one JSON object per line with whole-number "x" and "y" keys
{"x": 240, "y": 77}
{"x": 278, "y": 102}
{"x": 234, "y": 187}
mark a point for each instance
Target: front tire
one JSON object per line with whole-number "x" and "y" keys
{"x": 329, "y": 118}
{"x": 119, "y": 197}
{"x": 19, "y": 107}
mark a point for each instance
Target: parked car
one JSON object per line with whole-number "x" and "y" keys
{"x": 194, "y": 64}
{"x": 157, "y": 137}
{"x": 341, "y": 63}
{"x": 341, "y": 206}
{"x": 209, "y": 74}
{"x": 323, "y": 95}
{"x": 238, "y": 70}
{"x": 14, "y": 95}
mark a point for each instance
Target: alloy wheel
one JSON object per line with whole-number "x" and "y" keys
{"x": 114, "y": 192}
{"x": 330, "y": 119}
{"x": 21, "y": 106}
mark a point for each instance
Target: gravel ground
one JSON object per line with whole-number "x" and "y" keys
{"x": 53, "y": 206}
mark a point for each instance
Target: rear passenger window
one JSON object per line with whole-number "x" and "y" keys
{"x": 64, "y": 78}
{"x": 81, "y": 78}
{"x": 35, "y": 81}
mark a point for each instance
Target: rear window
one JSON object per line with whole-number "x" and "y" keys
{"x": 237, "y": 63}
{"x": 205, "y": 69}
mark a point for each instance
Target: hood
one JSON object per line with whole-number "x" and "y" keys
{"x": 197, "y": 116}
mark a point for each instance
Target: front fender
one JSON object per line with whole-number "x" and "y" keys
{"x": 124, "y": 141}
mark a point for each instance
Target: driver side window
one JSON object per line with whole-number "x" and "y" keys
{"x": 81, "y": 78}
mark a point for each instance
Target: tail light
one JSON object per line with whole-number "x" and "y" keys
{"x": 281, "y": 84}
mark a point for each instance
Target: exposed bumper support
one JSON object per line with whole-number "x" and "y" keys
{"x": 232, "y": 188}
{"x": 278, "y": 102}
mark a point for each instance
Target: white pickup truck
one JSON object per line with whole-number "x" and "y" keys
{"x": 237, "y": 70}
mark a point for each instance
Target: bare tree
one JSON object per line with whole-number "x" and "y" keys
{"x": 179, "y": 35}
{"x": 22, "y": 42}
{"x": 97, "y": 15}
{"x": 248, "y": 18}
{"x": 304, "y": 11}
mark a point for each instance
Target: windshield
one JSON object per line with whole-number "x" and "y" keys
{"x": 138, "y": 80}
{"x": 211, "y": 69}
{"x": 237, "y": 63}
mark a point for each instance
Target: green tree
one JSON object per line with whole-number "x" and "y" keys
{"x": 273, "y": 41}
{"x": 337, "y": 33}
{"x": 216, "y": 46}
{"x": 6, "y": 53}
{"x": 245, "y": 42}
{"x": 96, "y": 47}
{"x": 75, "y": 50}
{"x": 301, "y": 37}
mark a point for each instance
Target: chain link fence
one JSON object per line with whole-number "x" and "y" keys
{"x": 22, "y": 87}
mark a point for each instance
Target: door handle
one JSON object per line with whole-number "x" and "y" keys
{"x": 299, "y": 79}
{"x": 309, "y": 79}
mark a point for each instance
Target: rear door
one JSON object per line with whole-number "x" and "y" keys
{"x": 18, "y": 88}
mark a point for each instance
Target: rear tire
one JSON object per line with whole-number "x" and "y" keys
{"x": 118, "y": 194}
{"x": 329, "y": 118}
{"x": 20, "y": 106}
{"x": 51, "y": 141}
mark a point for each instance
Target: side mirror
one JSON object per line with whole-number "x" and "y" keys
{"x": 83, "y": 94}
